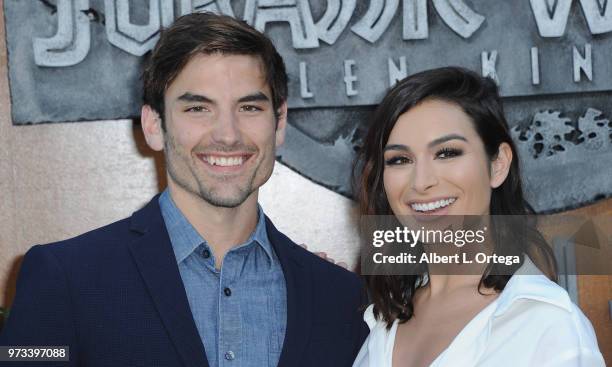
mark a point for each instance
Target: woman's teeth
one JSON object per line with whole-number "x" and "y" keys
{"x": 434, "y": 205}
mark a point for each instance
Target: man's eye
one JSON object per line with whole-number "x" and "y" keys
{"x": 396, "y": 161}
{"x": 196, "y": 109}
{"x": 250, "y": 108}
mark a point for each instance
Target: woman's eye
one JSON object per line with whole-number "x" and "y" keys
{"x": 250, "y": 108}
{"x": 396, "y": 161}
{"x": 448, "y": 153}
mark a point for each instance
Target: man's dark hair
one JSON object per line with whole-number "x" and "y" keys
{"x": 207, "y": 33}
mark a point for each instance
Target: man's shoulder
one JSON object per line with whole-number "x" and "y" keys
{"x": 91, "y": 243}
{"x": 322, "y": 270}
{"x": 112, "y": 236}
{"x": 325, "y": 269}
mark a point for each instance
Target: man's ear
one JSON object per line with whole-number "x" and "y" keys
{"x": 151, "y": 127}
{"x": 500, "y": 166}
{"x": 281, "y": 124}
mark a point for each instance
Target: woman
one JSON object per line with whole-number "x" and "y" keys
{"x": 439, "y": 145}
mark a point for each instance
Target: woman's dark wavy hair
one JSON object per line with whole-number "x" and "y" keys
{"x": 479, "y": 99}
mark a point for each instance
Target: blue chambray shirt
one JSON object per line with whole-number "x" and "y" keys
{"x": 240, "y": 311}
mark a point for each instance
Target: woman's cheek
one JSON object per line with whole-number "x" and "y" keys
{"x": 473, "y": 180}
{"x": 395, "y": 182}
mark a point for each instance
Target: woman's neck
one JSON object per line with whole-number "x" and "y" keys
{"x": 444, "y": 284}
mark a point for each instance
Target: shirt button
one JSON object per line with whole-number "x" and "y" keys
{"x": 230, "y": 356}
{"x": 206, "y": 254}
{"x": 228, "y": 292}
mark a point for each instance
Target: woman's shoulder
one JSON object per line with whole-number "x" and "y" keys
{"x": 533, "y": 292}
{"x": 543, "y": 313}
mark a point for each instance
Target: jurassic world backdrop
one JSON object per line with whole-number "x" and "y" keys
{"x": 80, "y": 60}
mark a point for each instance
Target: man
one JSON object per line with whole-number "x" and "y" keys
{"x": 199, "y": 276}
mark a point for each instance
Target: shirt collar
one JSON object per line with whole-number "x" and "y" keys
{"x": 185, "y": 239}
{"x": 260, "y": 235}
{"x": 528, "y": 282}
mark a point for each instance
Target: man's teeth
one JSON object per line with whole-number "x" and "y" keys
{"x": 425, "y": 207}
{"x": 224, "y": 161}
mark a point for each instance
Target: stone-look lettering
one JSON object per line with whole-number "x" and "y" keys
{"x": 335, "y": 19}
{"x": 376, "y": 20}
{"x": 397, "y": 73}
{"x": 488, "y": 65}
{"x": 459, "y": 17}
{"x": 551, "y": 17}
{"x": 295, "y": 12}
{"x": 200, "y": 6}
{"x": 349, "y": 78}
{"x": 70, "y": 44}
{"x": 416, "y": 25}
{"x": 136, "y": 39}
{"x": 304, "y": 92}
{"x": 598, "y": 14}
{"x": 583, "y": 63}
{"x": 455, "y": 13}
{"x": 535, "y": 66}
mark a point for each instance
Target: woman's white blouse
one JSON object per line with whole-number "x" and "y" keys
{"x": 533, "y": 322}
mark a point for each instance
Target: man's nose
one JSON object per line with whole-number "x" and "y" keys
{"x": 226, "y": 130}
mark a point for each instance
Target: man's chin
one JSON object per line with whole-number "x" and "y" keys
{"x": 225, "y": 201}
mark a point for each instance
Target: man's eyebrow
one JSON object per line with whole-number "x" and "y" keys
{"x": 190, "y": 97}
{"x": 255, "y": 97}
{"x": 446, "y": 138}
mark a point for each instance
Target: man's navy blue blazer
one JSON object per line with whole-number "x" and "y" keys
{"x": 115, "y": 297}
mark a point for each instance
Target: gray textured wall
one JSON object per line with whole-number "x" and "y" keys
{"x": 73, "y": 60}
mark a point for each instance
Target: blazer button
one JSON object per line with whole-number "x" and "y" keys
{"x": 230, "y": 356}
{"x": 227, "y": 291}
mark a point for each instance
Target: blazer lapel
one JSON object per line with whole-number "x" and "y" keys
{"x": 298, "y": 279}
{"x": 155, "y": 260}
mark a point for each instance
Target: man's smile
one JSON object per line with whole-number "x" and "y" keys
{"x": 224, "y": 162}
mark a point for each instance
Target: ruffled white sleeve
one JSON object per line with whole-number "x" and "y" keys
{"x": 377, "y": 349}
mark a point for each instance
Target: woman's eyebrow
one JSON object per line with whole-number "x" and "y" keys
{"x": 440, "y": 140}
{"x": 445, "y": 138}
{"x": 401, "y": 147}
